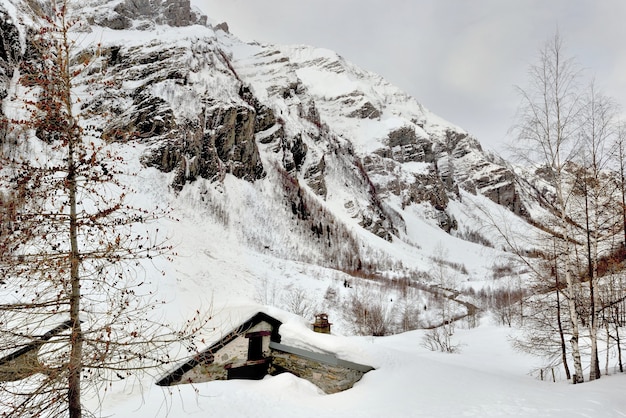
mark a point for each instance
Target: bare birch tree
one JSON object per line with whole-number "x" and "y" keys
{"x": 597, "y": 195}
{"x": 549, "y": 121}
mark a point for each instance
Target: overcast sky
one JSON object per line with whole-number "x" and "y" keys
{"x": 459, "y": 58}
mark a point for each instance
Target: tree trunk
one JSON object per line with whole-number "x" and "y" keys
{"x": 75, "y": 366}
{"x": 578, "y": 367}
{"x": 578, "y": 376}
{"x": 76, "y": 338}
{"x": 594, "y": 368}
{"x": 622, "y": 171}
{"x": 619, "y": 351}
{"x": 618, "y": 323}
{"x": 562, "y": 337}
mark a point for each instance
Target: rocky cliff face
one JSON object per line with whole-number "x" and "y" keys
{"x": 142, "y": 14}
{"x": 206, "y": 105}
{"x": 412, "y": 154}
{"x": 10, "y": 50}
{"x": 11, "y": 53}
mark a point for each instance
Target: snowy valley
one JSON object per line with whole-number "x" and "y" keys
{"x": 296, "y": 183}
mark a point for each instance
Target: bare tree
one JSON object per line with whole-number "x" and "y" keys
{"x": 545, "y": 325}
{"x": 549, "y": 122}
{"x": 612, "y": 312}
{"x": 621, "y": 167}
{"x": 76, "y": 311}
{"x": 296, "y": 300}
{"x": 368, "y": 312}
{"x": 446, "y": 281}
{"x": 597, "y": 193}
{"x": 438, "y": 339}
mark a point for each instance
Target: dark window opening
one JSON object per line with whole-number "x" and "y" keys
{"x": 255, "y": 348}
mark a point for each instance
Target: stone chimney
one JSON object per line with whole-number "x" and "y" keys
{"x": 321, "y": 323}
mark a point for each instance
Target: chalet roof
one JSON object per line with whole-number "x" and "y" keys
{"x": 206, "y": 355}
{"x": 23, "y": 361}
{"x": 325, "y": 358}
{"x": 36, "y": 343}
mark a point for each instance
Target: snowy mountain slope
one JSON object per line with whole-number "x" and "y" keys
{"x": 289, "y": 153}
{"x": 290, "y": 170}
{"x": 160, "y": 106}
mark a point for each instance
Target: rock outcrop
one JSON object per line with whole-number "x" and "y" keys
{"x": 12, "y": 50}
{"x": 144, "y": 14}
{"x": 222, "y": 142}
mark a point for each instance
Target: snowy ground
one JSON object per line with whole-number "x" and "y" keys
{"x": 486, "y": 379}
{"x": 214, "y": 270}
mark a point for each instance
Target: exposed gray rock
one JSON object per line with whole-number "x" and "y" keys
{"x": 427, "y": 188}
{"x": 294, "y": 152}
{"x": 153, "y": 117}
{"x": 500, "y": 186}
{"x": 315, "y": 177}
{"x": 114, "y": 21}
{"x": 275, "y": 136}
{"x": 445, "y": 221}
{"x": 265, "y": 117}
{"x": 10, "y": 55}
{"x": 234, "y": 141}
{"x": 367, "y": 111}
{"x": 476, "y": 172}
{"x": 379, "y": 226}
{"x": 223, "y": 27}
{"x": 10, "y": 46}
{"x": 146, "y": 13}
{"x": 310, "y": 113}
{"x": 403, "y": 145}
{"x": 211, "y": 153}
{"x": 416, "y": 188}
{"x": 460, "y": 143}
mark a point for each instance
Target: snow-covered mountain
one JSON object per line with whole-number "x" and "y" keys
{"x": 299, "y": 182}
{"x": 287, "y": 152}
